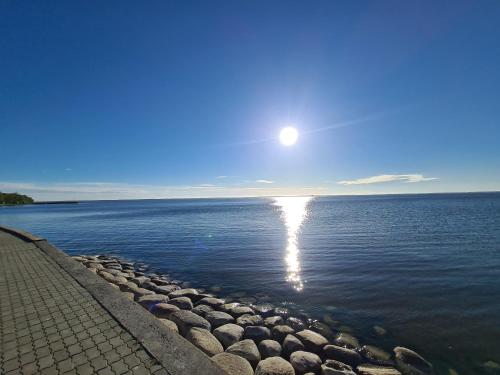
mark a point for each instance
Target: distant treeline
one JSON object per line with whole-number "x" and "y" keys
{"x": 8, "y": 199}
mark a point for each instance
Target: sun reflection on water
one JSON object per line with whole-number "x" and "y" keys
{"x": 293, "y": 213}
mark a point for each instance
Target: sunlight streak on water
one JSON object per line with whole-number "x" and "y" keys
{"x": 293, "y": 213}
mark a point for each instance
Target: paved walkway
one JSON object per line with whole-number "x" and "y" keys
{"x": 50, "y": 324}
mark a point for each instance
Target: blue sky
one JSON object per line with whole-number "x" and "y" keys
{"x": 186, "y": 99}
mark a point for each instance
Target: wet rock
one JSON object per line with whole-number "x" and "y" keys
{"x": 345, "y": 329}
{"x": 165, "y": 289}
{"x": 322, "y": 328}
{"x": 291, "y": 344}
{"x": 257, "y": 333}
{"x": 281, "y": 331}
{"x": 205, "y": 341}
{"x": 140, "y": 280}
{"x": 380, "y": 331}
{"x": 160, "y": 282}
{"x": 296, "y": 323}
{"x": 313, "y": 341}
{"x": 211, "y": 301}
{"x": 248, "y": 300}
{"x": 228, "y": 334}
{"x": 249, "y": 320}
{"x": 227, "y": 307}
{"x": 153, "y": 299}
{"x": 273, "y": 321}
{"x": 189, "y": 292}
{"x": 376, "y": 355}
{"x": 215, "y": 289}
{"x": 183, "y": 303}
{"x": 304, "y": 362}
{"x": 332, "y": 367}
{"x": 163, "y": 310}
{"x": 411, "y": 363}
{"x": 202, "y": 310}
{"x": 218, "y": 318}
{"x": 269, "y": 348}
{"x": 171, "y": 325}
{"x": 233, "y": 364}
{"x": 369, "y": 369}
{"x": 241, "y": 310}
{"x": 139, "y": 292}
{"x": 264, "y": 309}
{"x": 328, "y": 319}
{"x": 274, "y": 366}
{"x": 281, "y": 311}
{"x": 339, "y": 353}
{"x": 149, "y": 285}
{"x": 186, "y": 320}
{"x": 246, "y": 349}
{"x": 346, "y": 340}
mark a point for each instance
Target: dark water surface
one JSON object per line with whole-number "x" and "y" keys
{"x": 425, "y": 267}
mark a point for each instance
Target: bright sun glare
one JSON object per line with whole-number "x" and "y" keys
{"x": 288, "y": 136}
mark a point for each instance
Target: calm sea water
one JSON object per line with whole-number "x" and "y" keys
{"x": 424, "y": 267}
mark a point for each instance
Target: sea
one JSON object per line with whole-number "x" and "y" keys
{"x": 424, "y": 268}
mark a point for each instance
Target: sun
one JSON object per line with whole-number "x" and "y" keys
{"x": 288, "y": 136}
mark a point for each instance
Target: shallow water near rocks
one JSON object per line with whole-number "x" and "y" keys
{"x": 425, "y": 268}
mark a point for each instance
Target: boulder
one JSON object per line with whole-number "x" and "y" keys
{"x": 165, "y": 289}
{"x": 183, "y": 303}
{"x": 296, "y": 323}
{"x": 369, "y": 369}
{"x": 246, "y": 349}
{"x": 313, "y": 341}
{"x": 186, "y": 319}
{"x": 304, "y": 362}
{"x": 264, "y": 309}
{"x": 281, "y": 331}
{"x": 273, "y": 321}
{"x": 205, "y": 341}
{"x": 274, "y": 366}
{"x": 114, "y": 286}
{"x": 107, "y": 276}
{"x": 211, "y": 301}
{"x": 128, "y": 295}
{"x": 291, "y": 344}
{"x": 128, "y": 287}
{"x": 269, "y": 348}
{"x": 233, "y": 364}
{"x": 150, "y": 300}
{"x": 411, "y": 363}
{"x": 218, "y": 318}
{"x": 322, "y": 329}
{"x": 201, "y": 310}
{"x": 238, "y": 311}
{"x": 281, "y": 311}
{"x": 228, "y": 334}
{"x": 140, "y": 280}
{"x": 376, "y": 355}
{"x": 139, "y": 292}
{"x": 227, "y": 307}
{"x": 163, "y": 310}
{"x": 171, "y": 325}
{"x": 346, "y": 340}
{"x": 331, "y": 367}
{"x": 189, "y": 292}
{"x": 349, "y": 356}
{"x": 257, "y": 333}
{"x": 249, "y": 320}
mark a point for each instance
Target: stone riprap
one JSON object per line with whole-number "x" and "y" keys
{"x": 260, "y": 336}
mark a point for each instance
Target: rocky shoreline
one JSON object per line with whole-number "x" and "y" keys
{"x": 245, "y": 337}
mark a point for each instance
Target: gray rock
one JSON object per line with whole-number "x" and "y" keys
{"x": 183, "y": 303}
{"x": 238, "y": 311}
{"x": 114, "y": 286}
{"x": 153, "y": 299}
{"x": 274, "y": 366}
{"x": 107, "y": 276}
{"x": 228, "y": 334}
{"x": 257, "y": 333}
{"x": 163, "y": 310}
{"x": 304, "y": 362}
{"x": 140, "y": 280}
{"x": 376, "y": 355}
{"x": 128, "y": 295}
{"x": 331, "y": 367}
{"x": 186, "y": 320}
{"x": 281, "y": 311}
{"x": 291, "y": 344}
{"x": 273, "y": 321}
{"x": 249, "y": 320}
{"x": 248, "y": 300}
{"x": 211, "y": 301}
{"x": 139, "y": 292}
{"x": 322, "y": 329}
{"x": 189, "y": 292}
{"x": 246, "y": 349}
{"x": 347, "y": 341}
{"x": 201, "y": 310}
{"x": 264, "y": 309}
{"x": 160, "y": 282}
{"x": 411, "y": 363}
{"x": 296, "y": 323}
{"x": 281, "y": 331}
{"x": 349, "y": 356}
{"x": 165, "y": 289}
{"x": 233, "y": 364}
{"x": 171, "y": 325}
{"x": 128, "y": 287}
{"x": 227, "y": 307}
{"x": 269, "y": 348}
{"x": 369, "y": 369}
{"x": 205, "y": 341}
{"x": 218, "y": 318}
{"x": 312, "y": 340}
{"x": 380, "y": 331}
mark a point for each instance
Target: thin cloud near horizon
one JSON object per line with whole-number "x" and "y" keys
{"x": 406, "y": 178}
